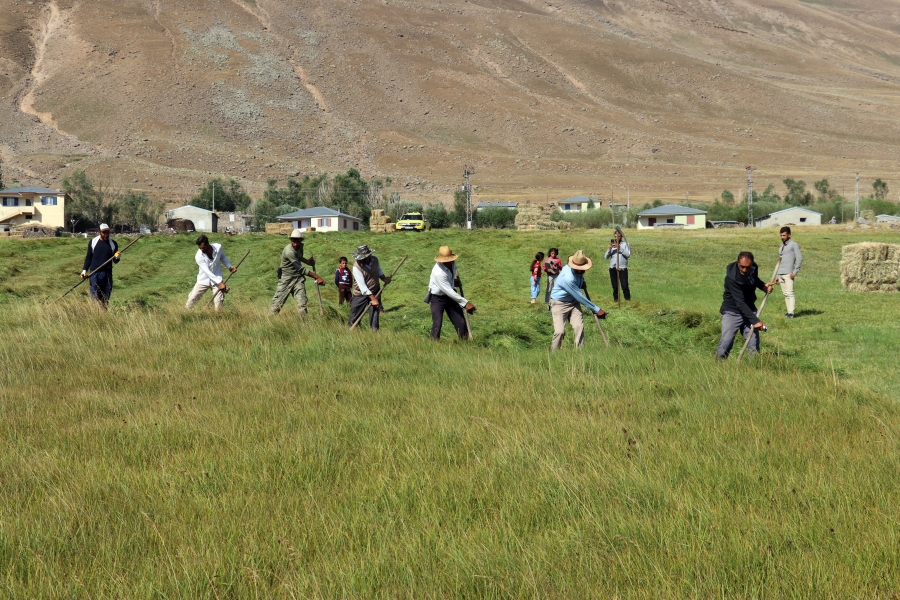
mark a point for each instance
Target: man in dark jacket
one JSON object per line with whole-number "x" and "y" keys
{"x": 100, "y": 250}
{"x": 739, "y": 304}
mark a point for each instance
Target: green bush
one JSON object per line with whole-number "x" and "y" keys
{"x": 438, "y": 216}
{"x": 495, "y": 217}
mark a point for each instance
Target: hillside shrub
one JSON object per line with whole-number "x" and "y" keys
{"x": 438, "y": 216}
{"x": 495, "y": 217}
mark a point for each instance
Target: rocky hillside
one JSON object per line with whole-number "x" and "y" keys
{"x": 544, "y": 98}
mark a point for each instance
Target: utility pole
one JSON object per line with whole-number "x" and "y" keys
{"x": 628, "y": 192}
{"x": 214, "y": 196}
{"x": 750, "y": 196}
{"x": 469, "y": 170}
{"x": 856, "y": 211}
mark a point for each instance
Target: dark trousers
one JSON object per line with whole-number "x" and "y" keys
{"x": 358, "y": 306}
{"x": 441, "y": 305}
{"x": 623, "y": 277}
{"x": 345, "y": 294}
{"x": 101, "y": 286}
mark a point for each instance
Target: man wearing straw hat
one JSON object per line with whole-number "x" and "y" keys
{"x": 100, "y": 250}
{"x": 366, "y": 273}
{"x": 443, "y": 297}
{"x": 292, "y": 276}
{"x": 566, "y": 300}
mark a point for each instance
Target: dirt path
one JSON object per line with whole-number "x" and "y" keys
{"x": 52, "y": 22}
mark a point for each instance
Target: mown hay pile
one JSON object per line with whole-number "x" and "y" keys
{"x": 870, "y": 267}
{"x": 533, "y": 217}
{"x": 180, "y": 224}
{"x": 279, "y": 228}
{"x": 381, "y": 223}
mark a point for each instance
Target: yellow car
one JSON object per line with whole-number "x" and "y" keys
{"x": 413, "y": 221}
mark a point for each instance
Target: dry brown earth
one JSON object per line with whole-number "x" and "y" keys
{"x": 545, "y": 99}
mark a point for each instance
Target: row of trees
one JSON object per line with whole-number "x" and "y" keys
{"x": 93, "y": 203}
{"x": 796, "y": 193}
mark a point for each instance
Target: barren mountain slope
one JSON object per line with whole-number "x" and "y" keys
{"x": 665, "y": 97}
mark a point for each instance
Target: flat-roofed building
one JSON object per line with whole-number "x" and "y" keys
{"x": 32, "y": 206}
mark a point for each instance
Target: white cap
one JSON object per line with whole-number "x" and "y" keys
{"x": 297, "y": 234}
{"x": 103, "y": 226}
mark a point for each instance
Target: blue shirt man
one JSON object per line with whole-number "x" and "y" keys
{"x": 566, "y": 300}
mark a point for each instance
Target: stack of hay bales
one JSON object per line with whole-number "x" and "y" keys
{"x": 533, "y": 217}
{"x": 279, "y": 228}
{"x": 870, "y": 267}
{"x": 380, "y": 222}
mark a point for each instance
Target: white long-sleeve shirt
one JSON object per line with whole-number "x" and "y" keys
{"x": 360, "y": 279}
{"x": 624, "y": 255}
{"x": 211, "y": 268}
{"x": 441, "y": 283}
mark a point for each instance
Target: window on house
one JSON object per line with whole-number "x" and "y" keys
{"x": 803, "y": 219}
{"x": 690, "y": 220}
{"x": 28, "y": 203}
{"x": 345, "y": 223}
{"x": 670, "y": 220}
{"x": 567, "y": 207}
{"x": 49, "y": 200}
{"x": 10, "y": 202}
{"x": 355, "y": 226}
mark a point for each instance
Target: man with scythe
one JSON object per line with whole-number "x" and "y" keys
{"x": 292, "y": 276}
{"x": 101, "y": 250}
{"x": 366, "y": 273}
{"x": 566, "y": 300}
{"x": 443, "y": 298}
{"x": 209, "y": 258}
{"x": 739, "y": 304}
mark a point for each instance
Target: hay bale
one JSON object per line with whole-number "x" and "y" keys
{"x": 279, "y": 228}
{"x": 870, "y": 267}
{"x": 533, "y": 217}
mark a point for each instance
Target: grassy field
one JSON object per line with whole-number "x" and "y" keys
{"x": 154, "y": 452}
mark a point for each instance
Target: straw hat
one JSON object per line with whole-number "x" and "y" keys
{"x": 296, "y": 234}
{"x": 580, "y": 262}
{"x": 445, "y": 255}
{"x": 363, "y": 251}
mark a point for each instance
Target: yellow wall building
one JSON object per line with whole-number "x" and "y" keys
{"x": 32, "y": 206}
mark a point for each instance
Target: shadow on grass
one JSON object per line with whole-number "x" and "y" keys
{"x": 809, "y": 312}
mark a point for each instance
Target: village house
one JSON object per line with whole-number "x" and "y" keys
{"x": 576, "y": 203}
{"x": 794, "y": 215}
{"x": 322, "y": 219}
{"x": 32, "y": 206}
{"x": 672, "y": 216}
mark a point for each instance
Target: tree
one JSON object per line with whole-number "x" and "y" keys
{"x": 136, "y": 209}
{"x": 880, "y": 188}
{"x": 495, "y": 216}
{"x": 296, "y": 194}
{"x": 727, "y": 198}
{"x": 826, "y": 192}
{"x": 767, "y": 195}
{"x": 229, "y": 195}
{"x": 93, "y": 203}
{"x": 458, "y": 214}
{"x": 264, "y": 211}
{"x": 438, "y": 216}
{"x": 797, "y": 194}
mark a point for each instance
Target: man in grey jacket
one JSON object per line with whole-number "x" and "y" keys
{"x": 618, "y": 254}
{"x": 791, "y": 259}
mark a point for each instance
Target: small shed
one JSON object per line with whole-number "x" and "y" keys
{"x": 576, "y": 203}
{"x": 795, "y": 215}
{"x": 887, "y": 219}
{"x": 507, "y": 205}
{"x": 322, "y": 218}
{"x": 672, "y": 216}
{"x": 204, "y": 220}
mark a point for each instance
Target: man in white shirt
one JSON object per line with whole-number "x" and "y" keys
{"x": 443, "y": 298}
{"x": 210, "y": 258}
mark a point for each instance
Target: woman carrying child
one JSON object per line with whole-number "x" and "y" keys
{"x": 552, "y": 267}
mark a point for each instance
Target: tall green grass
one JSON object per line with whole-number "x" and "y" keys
{"x": 155, "y": 452}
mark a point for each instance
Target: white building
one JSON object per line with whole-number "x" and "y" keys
{"x": 322, "y": 218}
{"x": 887, "y": 219}
{"x": 672, "y": 216}
{"x": 507, "y": 205}
{"x": 794, "y": 215}
{"x": 204, "y": 220}
{"x": 576, "y": 203}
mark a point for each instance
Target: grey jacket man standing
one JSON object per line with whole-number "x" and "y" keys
{"x": 791, "y": 259}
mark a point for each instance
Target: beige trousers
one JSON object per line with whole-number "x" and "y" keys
{"x": 199, "y": 290}
{"x": 787, "y": 290}
{"x": 562, "y": 313}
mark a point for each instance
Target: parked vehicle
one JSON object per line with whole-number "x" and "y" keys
{"x": 414, "y": 221}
